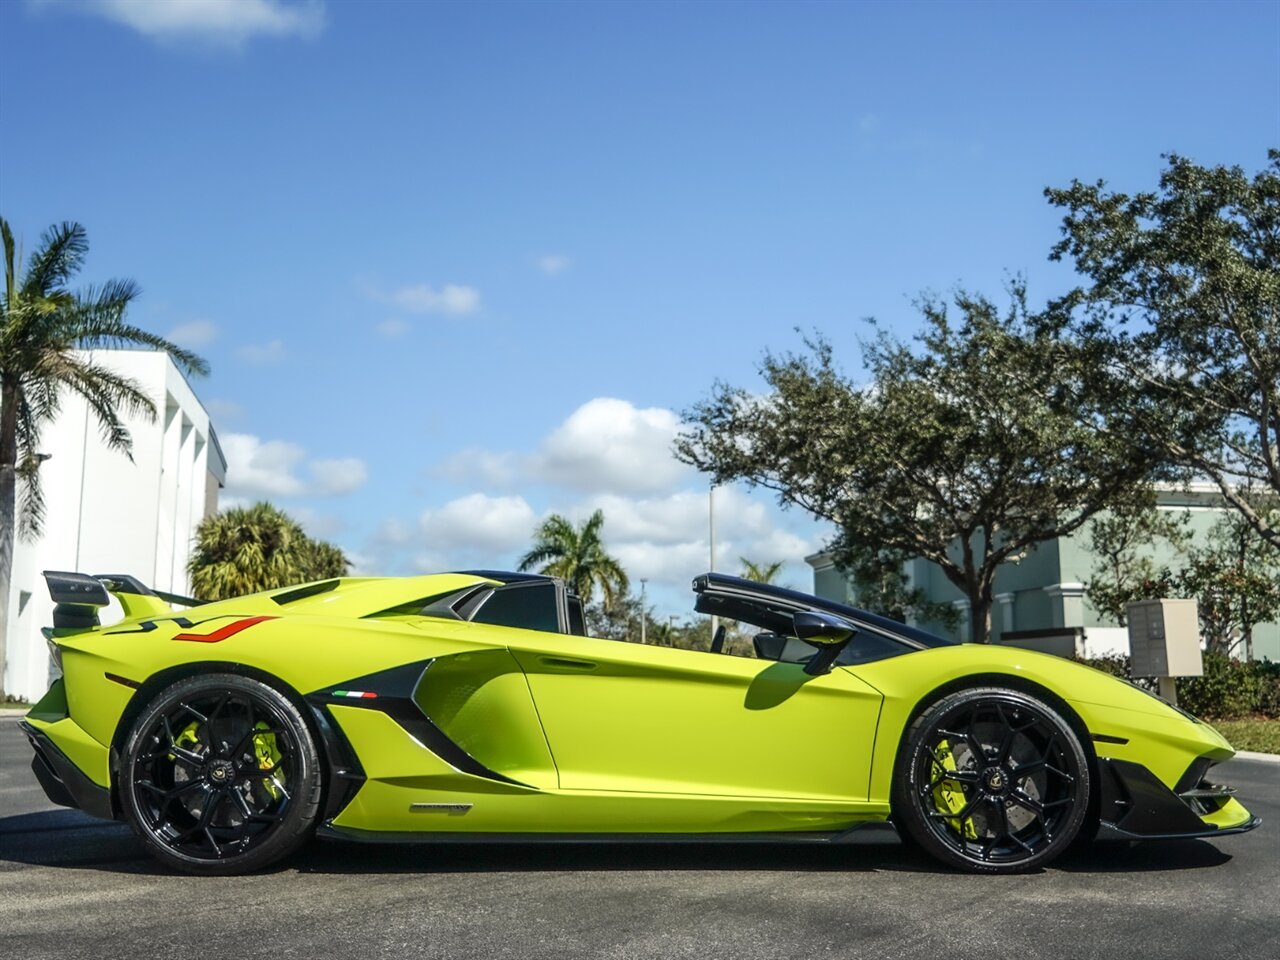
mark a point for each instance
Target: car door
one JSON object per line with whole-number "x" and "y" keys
{"x": 647, "y": 719}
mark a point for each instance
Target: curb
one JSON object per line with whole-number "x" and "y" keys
{"x": 1259, "y": 757}
{"x": 6, "y": 712}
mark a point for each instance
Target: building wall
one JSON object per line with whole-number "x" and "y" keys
{"x": 107, "y": 514}
{"x": 1046, "y": 588}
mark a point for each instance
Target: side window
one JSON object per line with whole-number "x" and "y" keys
{"x": 530, "y": 607}
{"x": 577, "y": 625}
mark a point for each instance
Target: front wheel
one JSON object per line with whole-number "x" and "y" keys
{"x": 220, "y": 775}
{"x": 992, "y": 780}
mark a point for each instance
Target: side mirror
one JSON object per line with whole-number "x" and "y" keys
{"x": 824, "y": 631}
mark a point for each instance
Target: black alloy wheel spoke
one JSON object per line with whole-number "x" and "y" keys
{"x": 1027, "y": 802}
{"x": 944, "y": 774}
{"x": 1054, "y": 770}
{"x": 1006, "y": 744}
{"x": 182, "y": 753}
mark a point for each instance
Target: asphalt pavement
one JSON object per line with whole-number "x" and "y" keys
{"x": 73, "y": 887}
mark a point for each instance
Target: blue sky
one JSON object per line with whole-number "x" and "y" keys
{"x": 457, "y": 265}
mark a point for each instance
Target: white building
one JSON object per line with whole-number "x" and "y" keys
{"x": 105, "y": 514}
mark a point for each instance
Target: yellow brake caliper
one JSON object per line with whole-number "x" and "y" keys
{"x": 268, "y": 755}
{"x": 949, "y": 796}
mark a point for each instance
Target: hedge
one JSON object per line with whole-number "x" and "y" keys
{"x": 1229, "y": 690}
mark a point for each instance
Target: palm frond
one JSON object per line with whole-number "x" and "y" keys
{"x": 31, "y": 507}
{"x": 98, "y": 322}
{"x": 10, "y": 273}
{"x": 59, "y": 258}
{"x": 107, "y": 393}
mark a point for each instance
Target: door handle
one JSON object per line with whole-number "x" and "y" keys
{"x": 566, "y": 663}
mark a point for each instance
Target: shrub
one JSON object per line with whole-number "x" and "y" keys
{"x": 1228, "y": 690}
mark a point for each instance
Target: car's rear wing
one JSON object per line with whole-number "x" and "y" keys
{"x": 78, "y": 597}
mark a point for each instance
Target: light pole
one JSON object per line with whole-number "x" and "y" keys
{"x": 644, "y": 612}
{"x": 711, "y": 518}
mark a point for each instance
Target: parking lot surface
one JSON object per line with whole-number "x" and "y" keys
{"x": 73, "y": 887}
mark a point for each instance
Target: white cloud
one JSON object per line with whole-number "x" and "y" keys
{"x": 262, "y": 354}
{"x": 553, "y": 263}
{"x": 193, "y": 335}
{"x": 452, "y": 299}
{"x": 478, "y": 524}
{"x": 258, "y": 468}
{"x": 605, "y": 446}
{"x": 212, "y": 21}
{"x": 270, "y": 468}
{"x": 611, "y": 445}
{"x": 395, "y": 327}
{"x": 335, "y": 477}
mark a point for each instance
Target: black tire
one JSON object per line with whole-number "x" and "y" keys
{"x": 220, "y": 775}
{"x": 991, "y": 780}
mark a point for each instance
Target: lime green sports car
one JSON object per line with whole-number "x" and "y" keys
{"x": 472, "y": 706}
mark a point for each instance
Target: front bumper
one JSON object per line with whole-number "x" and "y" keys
{"x": 1136, "y": 805}
{"x": 63, "y": 782}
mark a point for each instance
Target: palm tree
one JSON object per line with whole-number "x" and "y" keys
{"x": 43, "y": 326}
{"x": 760, "y": 573}
{"x": 250, "y": 549}
{"x": 576, "y": 555}
{"x": 321, "y": 560}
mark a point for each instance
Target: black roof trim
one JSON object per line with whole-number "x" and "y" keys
{"x": 765, "y": 591}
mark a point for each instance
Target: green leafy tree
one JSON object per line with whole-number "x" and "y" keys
{"x": 1233, "y": 576}
{"x": 761, "y": 572}
{"x": 250, "y": 549}
{"x": 578, "y": 557}
{"x": 45, "y": 327}
{"x": 1123, "y": 544}
{"x": 880, "y": 584}
{"x": 967, "y": 450}
{"x": 1181, "y": 314}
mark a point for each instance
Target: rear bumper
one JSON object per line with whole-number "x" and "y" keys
{"x": 1135, "y": 805}
{"x": 62, "y": 781}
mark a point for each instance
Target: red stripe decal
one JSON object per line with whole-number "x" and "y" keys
{"x": 230, "y": 630}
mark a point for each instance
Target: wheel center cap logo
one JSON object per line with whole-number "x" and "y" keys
{"x": 220, "y": 772}
{"x": 995, "y": 780}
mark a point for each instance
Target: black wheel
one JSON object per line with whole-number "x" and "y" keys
{"x": 992, "y": 781}
{"x": 220, "y": 775}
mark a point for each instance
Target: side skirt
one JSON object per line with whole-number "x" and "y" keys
{"x": 871, "y": 827}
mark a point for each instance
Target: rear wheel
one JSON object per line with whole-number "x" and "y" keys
{"x": 992, "y": 781}
{"x": 220, "y": 775}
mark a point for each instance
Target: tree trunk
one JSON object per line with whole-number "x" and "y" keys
{"x": 8, "y": 519}
{"x": 980, "y": 619}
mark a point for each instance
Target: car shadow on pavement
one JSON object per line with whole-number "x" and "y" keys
{"x": 1149, "y": 857}
{"x": 70, "y": 839}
